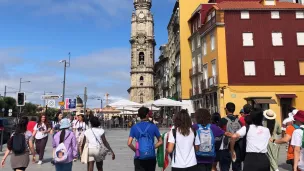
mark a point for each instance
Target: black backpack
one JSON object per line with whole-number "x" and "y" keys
{"x": 18, "y": 144}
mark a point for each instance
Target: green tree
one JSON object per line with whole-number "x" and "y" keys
{"x": 10, "y": 103}
{"x": 51, "y": 112}
{"x": 30, "y": 109}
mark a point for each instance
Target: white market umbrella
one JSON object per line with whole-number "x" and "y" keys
{"x": 132, "y": 109}
{"x": 166, "y": 102}
{"x": 127, "y": 113}
{"x": 125, "y": 103}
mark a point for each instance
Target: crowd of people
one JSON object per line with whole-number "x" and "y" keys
{"x": 72, "y": 139}
{"x": 250, "y": 142}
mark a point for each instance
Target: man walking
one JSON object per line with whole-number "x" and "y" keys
{"x": 144, "y": 133}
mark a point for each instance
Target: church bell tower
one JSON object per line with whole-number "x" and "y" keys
{"x": 142, "y": 52}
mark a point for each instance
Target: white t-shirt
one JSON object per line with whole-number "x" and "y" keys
{"x": 185, "y": 153}
{"x": 39, "y": 135}
{"x": 296, "y": 140}
{"x": 93, "y": 143}
{"x": 80, "y": 128}
{"x": 257, "y": 138}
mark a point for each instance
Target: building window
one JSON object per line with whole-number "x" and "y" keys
{"x": 213, "y": 14}
{"x": 245, "y": 15}
{"x": 209, "y": 17}
{"x": 204, "y": 47}
{"x": 192, "y": 45}
{"x": 300, "y": 38}
{"x": 141, "y": 79}
{"x": 277, "y": 39}
{"x": 213, "y": 67}
{"x": 249, "y": 67}
{"x": 275, "y": 14}
{"x": 270, "y": 2}
{"x": 279, "y": 68}
{"x": 199, "y": 62}
{"x": 141, "y": 98}
{"x": 205, "y": 71}
{"x": 247, "y": 39}
{"x": 299, "y": 14}
{"x": 141, "y": 58}
{"x": 301, "y": 66}
{"x": 198, "y": 41}
{"x": 212, "y": 38}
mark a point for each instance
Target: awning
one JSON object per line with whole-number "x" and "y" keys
{"x": 264, "y": 101}
{"x": 286, "y": 96}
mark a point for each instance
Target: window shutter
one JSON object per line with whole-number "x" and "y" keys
{"x": 279, "y": 68}
{"x": 249, "y": 67}
{"x": 299, "y": 14}
{"x": 300, "y": 38}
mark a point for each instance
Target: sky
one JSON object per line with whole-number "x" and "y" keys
{"x": 36, "y": 34}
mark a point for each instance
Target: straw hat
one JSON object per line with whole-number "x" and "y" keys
{"x": 269, "y": 114}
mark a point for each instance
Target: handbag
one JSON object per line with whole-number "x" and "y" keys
{"x": 103, "y": 151}
{"x": 85, "y": 154}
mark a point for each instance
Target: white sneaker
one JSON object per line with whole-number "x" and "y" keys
{"x": 39, "y": 162}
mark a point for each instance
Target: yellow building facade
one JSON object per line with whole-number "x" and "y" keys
{"x": 186, "y": 9}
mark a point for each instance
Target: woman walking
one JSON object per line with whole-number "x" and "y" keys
{"x": 96, "y": 139}
{"x": 64, "y": 147}
{"x": 41, "y": 131}
{"x": 56, "y": 122}
{"x": 20, "y": 158}
{"x": 275, "y": 130}
{"x": 181, "y": 143}
{"x": 79, "y": 127}
{"x": 257, "y": 138}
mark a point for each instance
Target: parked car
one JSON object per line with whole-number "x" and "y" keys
{"x": 8, "y": 125}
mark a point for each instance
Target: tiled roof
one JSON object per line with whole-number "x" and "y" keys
{"x": 256, "y": 5}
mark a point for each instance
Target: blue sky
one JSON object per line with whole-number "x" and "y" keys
{"x": 36, "y": 34}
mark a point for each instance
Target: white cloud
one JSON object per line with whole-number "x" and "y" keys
{"x": 105, "y": 71}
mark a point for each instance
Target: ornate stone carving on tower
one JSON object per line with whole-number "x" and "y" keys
{"x": 142, "y": 52}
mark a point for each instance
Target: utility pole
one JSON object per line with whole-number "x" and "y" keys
{"x": 85, "y": 98}
{"x": 4, "y": 91}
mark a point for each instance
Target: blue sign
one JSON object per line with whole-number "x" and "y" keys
{"x": 72, "y": 103}
{"x": 62, "y": 107}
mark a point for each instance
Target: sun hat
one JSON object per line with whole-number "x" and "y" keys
{"x": 299, "y": 116}
{"x": 269, "y": 114}
{"x": 64, "y": 123}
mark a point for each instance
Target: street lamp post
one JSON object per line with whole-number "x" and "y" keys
{"x": 66, "y": 64}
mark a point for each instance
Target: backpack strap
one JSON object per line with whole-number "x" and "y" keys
{"x": 96, "y": 137}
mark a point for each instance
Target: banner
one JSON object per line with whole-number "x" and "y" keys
{"x": 70, "y": 103}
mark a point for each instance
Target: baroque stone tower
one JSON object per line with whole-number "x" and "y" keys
{"x": 142, "y": 52}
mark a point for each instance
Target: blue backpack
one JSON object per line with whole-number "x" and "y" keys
{"x": 207, "y": 146}
{"x": 145, "y": 143}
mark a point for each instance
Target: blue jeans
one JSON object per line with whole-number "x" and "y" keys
{"x": 64, "y": 166}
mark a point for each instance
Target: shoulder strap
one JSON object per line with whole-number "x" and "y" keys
{"x": 138, "y": 129}
{"x": 174, "y": 149}
{"x": 96, "y": 137}
{"x": 247, "y": 129}
{"x": 147, "y": 127}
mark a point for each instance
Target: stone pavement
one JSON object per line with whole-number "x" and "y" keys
{"x": 124, "y": 156}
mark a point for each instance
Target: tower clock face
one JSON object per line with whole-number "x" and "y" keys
{"x": 141, "y": 15}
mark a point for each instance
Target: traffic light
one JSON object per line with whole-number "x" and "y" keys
{"x": 20, "y": 99}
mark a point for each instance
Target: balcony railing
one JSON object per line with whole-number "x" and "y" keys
{"x": 209, "y": 24}
{"x": 198, "y": 69}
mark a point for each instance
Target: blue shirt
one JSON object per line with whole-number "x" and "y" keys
{"x": 153, "y": 130}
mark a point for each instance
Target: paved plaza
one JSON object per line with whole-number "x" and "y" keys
{"x": 124, "y": 156}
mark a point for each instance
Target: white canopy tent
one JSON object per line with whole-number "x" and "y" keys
{"x": 125, "y": 103}
{"x": 166, "y": 102}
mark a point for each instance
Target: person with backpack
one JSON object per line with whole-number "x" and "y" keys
{"x": 56, "y": 122}
{"x": 257, "y": 138}
{"x": 98, "y": 146}
{"x": 297, "y": 142}
{"x": 275, "y": 130}
{"x": 215, "y": 119}
{"x": 64, "y": 147}
{"x": 144, "y": 133}
{"x": 182, "y": 143}
{"x": 20, "y": 144}
{"x": 41, "y": 131}
{"x": 207, "y": 134}
{"x": 230, "y": 124}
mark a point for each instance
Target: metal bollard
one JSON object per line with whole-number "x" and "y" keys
{"x": 1, "y": 141}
